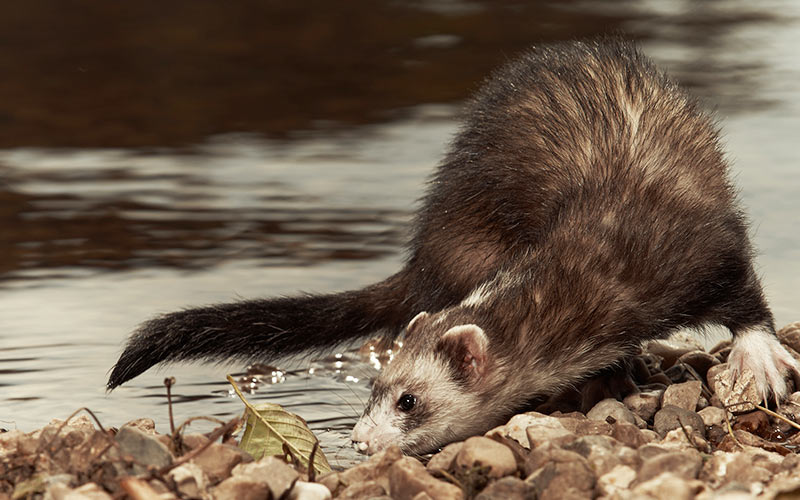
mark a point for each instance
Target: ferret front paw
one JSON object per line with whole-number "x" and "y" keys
{"x": 758, "y": 350}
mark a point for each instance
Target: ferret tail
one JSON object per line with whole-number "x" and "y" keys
{"x": 265, "y": 329}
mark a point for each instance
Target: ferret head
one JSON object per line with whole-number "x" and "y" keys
{"x": 433, "y": 392}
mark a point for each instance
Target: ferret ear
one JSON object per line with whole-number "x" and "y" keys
{"x": 416, "y": 324}
{"x": 465, "y": 346}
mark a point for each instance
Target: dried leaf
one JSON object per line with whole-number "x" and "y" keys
{"x": 269, "y": 427}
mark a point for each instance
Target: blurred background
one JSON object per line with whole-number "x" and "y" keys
{"x": 156, "y": 155}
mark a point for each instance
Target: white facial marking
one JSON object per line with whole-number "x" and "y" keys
{"x": 378, "y": 429}
{"x": 759, "y": 351}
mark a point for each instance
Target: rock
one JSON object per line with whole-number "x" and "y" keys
{"x": 89, "y": 491}
{"x": 408, "y": 477}
{"x": 10, "y": 443}
{"x": 482, "y": 451}
{"x": 507, "y": 488}
{"x": 144, "y": 448}
{"x": 700, "y": 361}
{"x": 688, "y": 439}
{"x": 330, "y": 481}
{"x": 547, "y": 453}
{"x": 276, "y": 474}
{"x": 755, "y": 422}
{"x": 563, "y": 480}
{"x": 375, "y": 468}
{"x": 790, "y": 335}
{"x": 603, "y": 453}
{"x": 683, "y": 464}
{"x": 189, "y": 480}
{"x": 613, "y": 409}
{"x": 672, "y": 417}
{"x": 713, "y": 416}
{"x": 218, "y": 460}
{"x": 744, "y": 467}
{"x": 644, "y": 404}
{"x": 628, "y": 434}
{"x": 193, "y": 441}
{"x": 241, "y": 488}
{"x": 685, "y": 395}
{"x": 443, "y": 461}
{"x": 585, "y": 427}
{"x": 146, "y": 425}
{"x": 367, "y": 489}
{"x": 668, "y": 486}
{"x": 737, "y": 395}
{"x": 303, "y": 490}
{"x": 543, "y": 428}
{"x": 616, "y": 480}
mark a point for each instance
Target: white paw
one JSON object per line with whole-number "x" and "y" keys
{"x": 759, "y": 351}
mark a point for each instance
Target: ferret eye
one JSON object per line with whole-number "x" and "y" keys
{"x": 406, "y": 402}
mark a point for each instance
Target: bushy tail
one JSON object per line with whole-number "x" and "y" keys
{"x": 264, "y": 329}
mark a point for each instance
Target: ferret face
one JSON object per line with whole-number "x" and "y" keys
{"x": 428, "y": 395}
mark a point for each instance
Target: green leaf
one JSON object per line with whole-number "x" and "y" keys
{"x": 269, "y": 427}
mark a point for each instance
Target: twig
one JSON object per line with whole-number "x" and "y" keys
{"x": 168, "y": 382}
{"x": 778, "y": 416}
{"x": 219, "y": 431}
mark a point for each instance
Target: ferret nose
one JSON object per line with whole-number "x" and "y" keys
{"x": 361, "y": 447}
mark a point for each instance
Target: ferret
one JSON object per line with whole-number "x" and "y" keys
{"x": 583, "y": 208}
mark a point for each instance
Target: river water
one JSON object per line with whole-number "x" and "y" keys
{"x": 153, "y": 158}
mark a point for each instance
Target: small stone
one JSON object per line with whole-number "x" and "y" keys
{"x": 482, "y": 451}
{"x": 644, "y": 404}
{"x": 700, "y": 361}
{"x": 611, "y": 408}
{"x": 738, "y": 394}
{"x": 712, "y": 416}
{"x": 367, "y": 489}
{"x": 616, "y": 480}
{"x": 144, "y": 448}
{"x": 330, "y": 481}
{"x": 562, "y": 480}
{"x": 667, "y": 486}
{"x": 443, "y": 461}
{"x": 543, "y": 428}
{"x": 685, "y": 395}
{"x": 684, "y": 464}
{"x": 585, "y": 427}
{"x": 755, "y": 422}
{"x": 146, "y": 425}
{"x": 672, "y": 417}
{"x": 272, "y": 471}
{"x": 218, "y": 460}
{"x": 88, "y": 491}
{"x": 189, "y": 480}
{"x": 603, "y": 453}
{"x": 193, "y": 441}
{"x": 507, "y": 488}
{"x": 240, "y": 488}
{"x": 375, "y": 468}
{"x": 303, "y": 490}
{"x": 408, "y": 477}
{"x": 688, "y": 439}
{"x": 790, "y": 335}
{"x": 628, "y": 434}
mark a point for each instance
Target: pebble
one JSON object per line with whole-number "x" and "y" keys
{"x": 482, "y": 451}
{"x": 408, "y": 477}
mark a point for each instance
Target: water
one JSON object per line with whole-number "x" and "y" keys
{"x": 139, "y": 177}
